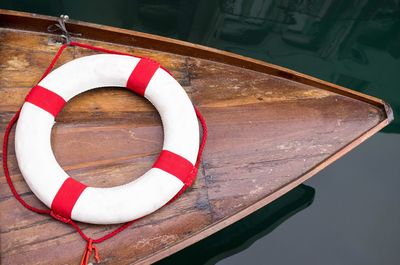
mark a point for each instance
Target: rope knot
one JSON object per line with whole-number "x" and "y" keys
{"x": 88, "y": 252}
{"x": 191, "y": 176}
{"x": 59, "y": 217}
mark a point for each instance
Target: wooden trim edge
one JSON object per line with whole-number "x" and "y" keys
{"x": 39, "y": 23}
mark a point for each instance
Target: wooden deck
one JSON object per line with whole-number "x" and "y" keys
{"x": 270, "y": 129}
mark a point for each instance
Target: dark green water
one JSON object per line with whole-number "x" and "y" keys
{"x": 350, "y": 212}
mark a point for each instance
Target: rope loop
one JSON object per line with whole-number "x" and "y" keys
{"x": 88, "y": 252}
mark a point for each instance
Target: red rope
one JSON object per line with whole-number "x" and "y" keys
{"x": 100, "y": 49}
{"x": 88, "y": 251}
{"x": 203, "y": 138}
{"x": 90, "y": 241}
{"x": 7, "y": 173}
{"x": 53, "y": 62}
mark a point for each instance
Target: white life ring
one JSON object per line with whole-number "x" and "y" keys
{"x": 72, "y": 199}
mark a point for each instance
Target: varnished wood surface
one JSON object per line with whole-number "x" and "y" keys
{"x": 267, "y": 134}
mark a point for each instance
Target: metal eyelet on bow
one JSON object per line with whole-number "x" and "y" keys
{"x": 60, "y": 27}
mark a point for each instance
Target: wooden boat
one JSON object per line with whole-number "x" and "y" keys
{"x": 270, "y": 129}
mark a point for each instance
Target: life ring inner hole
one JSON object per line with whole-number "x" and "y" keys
{"x": 119, "y": 138}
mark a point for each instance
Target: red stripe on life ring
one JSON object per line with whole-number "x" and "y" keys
{"x": 141, "y": 75}
{"x": 175, "y": 165}
{"x": 46, "y": 100}
{"x": 66, "y": 197}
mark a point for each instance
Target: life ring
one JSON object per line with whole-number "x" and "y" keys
{"x": 71, "y": 199}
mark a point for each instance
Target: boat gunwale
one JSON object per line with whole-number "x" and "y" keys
{"x": 39, "y": 23}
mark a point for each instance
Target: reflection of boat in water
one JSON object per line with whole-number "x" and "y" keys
{"x": 242, "y": 234}
{"x": 270, "y": 129}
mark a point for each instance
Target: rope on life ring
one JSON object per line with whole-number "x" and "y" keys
{"x": 59, "y": 215}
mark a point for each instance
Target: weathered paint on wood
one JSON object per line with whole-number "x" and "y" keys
{"x": 268, "y": 132}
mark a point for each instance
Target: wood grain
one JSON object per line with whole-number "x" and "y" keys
{"x": 267, "y": 134}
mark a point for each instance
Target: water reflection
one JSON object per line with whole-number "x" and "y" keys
{"x": 355, "y": 44}
{"x": 242, "y": 234}
{"x": 352, "y": 43}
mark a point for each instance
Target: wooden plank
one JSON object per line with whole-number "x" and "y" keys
{"x": 268, "y": 132}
